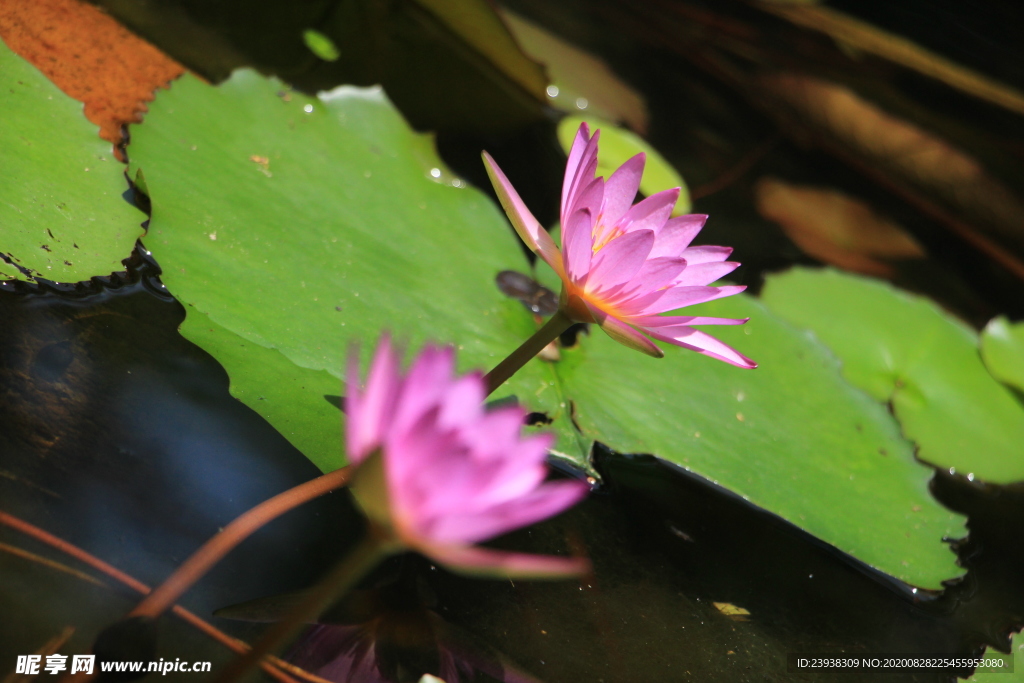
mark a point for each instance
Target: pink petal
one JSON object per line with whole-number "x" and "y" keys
{"x": 650, "y": 214}
{"x": 578, "y": 243}
{"x": 449, "y": 502}
{"x": 588, "y": 199}
{"x": 417, "y": 462}
{"x": 543, "y": 502}
{"x": 462, "y": 510}
{"x": 620, "y": 189}
{"x": 583, "y": 176}
{"x": 619, "y": 260}
{"x": 708, "y": 254}
{"x": 520, "y": 472}
{"x": 529, "y": 229}
{"x": 494, "y": 432}
{"x": 427, "y": 378}
{"x": 573, "y": 164}
{"x": 698, "y": 341}
{"x": 373, "y": 409}
{"x": 677, "y": 297}
{"x": 676, "y": 320}
{"x": 463, "y": 401}
{"x": 677, "y": 234}
{"x": 624, "y": 334}
{"x": 510, "y": 483}
{"x": 655, "y": 274}
{"x": 497, "y": 563}
{"x": 704, "y": 273}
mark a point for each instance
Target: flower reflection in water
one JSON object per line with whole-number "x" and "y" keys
{"x": 396, "y": 638}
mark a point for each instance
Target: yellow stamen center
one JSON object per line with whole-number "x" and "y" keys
{"x": 603, "y": 234}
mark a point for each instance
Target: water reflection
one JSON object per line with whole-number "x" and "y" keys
{"x": 391, "y": 634}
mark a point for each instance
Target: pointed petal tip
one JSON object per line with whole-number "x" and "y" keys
{"x": 526, "y": 226}
{"x": 738, "y": 360}
{"x": 480, "y": 561}
{"x": 491, "y": 165}
{"x": 627, "y": 336}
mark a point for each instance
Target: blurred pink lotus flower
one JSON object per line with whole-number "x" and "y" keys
{"x": 623, "y": 265}
{"x": 438, "y": 472}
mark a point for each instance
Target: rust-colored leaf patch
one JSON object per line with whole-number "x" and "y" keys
{"x": 89, "y": 56}
{"x": 835, "y": 227}
{"x": 905, "y": 154}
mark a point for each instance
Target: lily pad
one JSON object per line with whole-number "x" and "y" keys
{"x": 62, "y": 216}
{"x": 293, "y": 227}
{"x": 1002, "y": 349}
{"x": 791, "y": 436}
{"x": 904, "y": 350}
{"x": 576, "y": 73}
{"x": 617, "y": 146}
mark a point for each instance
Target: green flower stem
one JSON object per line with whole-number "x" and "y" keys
{"x": 214, "y": 550}
{"x": 558, "y": 324}
{"x": 375, "y": 547}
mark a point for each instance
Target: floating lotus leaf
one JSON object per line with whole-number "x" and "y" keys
{"x": 294, "y": 227}
{"x": 62, "y": 217}
{"x": 790, "y": 436}
{"x": 904, "y": 350}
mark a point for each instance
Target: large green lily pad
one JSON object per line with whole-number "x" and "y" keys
{"x": 62, "y": 217}
{"x": 904, "y": 350}
{"x": 294, "y": 226}
{"x": 790, "y": 436}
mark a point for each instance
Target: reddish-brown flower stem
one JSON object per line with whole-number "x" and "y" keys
{"x": 82, "y": 556}
{"x": 374, "y": 547}
{"x": 214, "y": 550}
{"x": 558, "y": 324}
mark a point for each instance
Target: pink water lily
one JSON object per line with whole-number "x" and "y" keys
{"x": 624, "y": 265}
{"x": 441, "y": 473}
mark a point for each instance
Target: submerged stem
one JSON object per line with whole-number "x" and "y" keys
{"x": 214, "y": 550}
{"x": 558, "y": 324}
{"x": 374, "y": 547}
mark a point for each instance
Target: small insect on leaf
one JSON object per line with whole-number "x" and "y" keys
{"x": 536, "y": 297}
